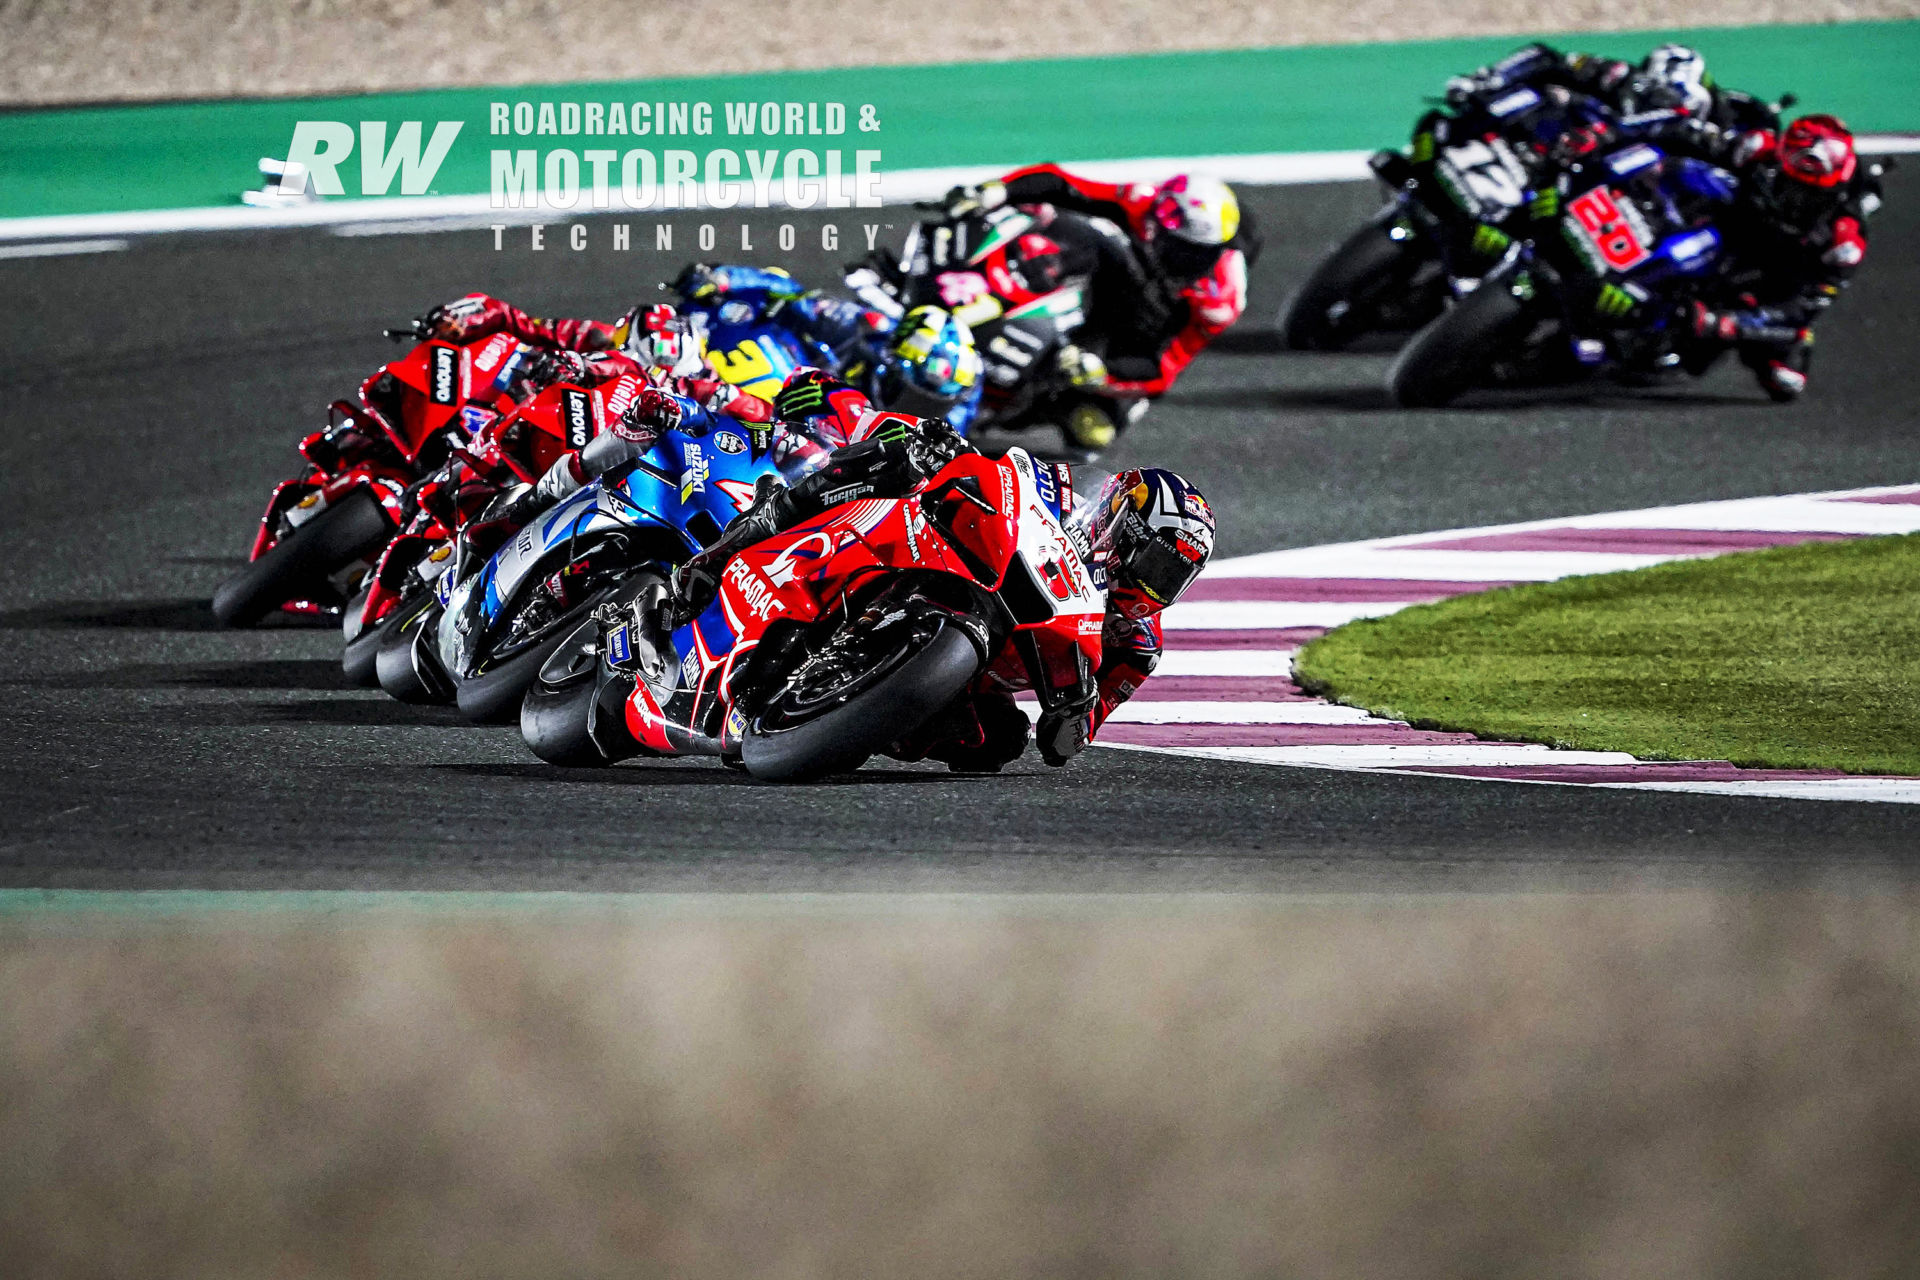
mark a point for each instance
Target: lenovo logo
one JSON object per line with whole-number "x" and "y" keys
{"x": 445, "y": 375}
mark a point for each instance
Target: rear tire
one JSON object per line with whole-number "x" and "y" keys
{"x": 840, "y": 739}
{"x": 1339, "y": 301}
{"x": 1448, "y": 357}
{"x": 299, "y": 565}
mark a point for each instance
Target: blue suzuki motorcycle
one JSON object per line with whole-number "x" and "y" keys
{"x": 502, "y": 619}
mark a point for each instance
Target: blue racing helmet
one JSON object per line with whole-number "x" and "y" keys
{"x": 931, "y": 364}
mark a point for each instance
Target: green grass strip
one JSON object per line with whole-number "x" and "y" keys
{"x": 1798, "y": 657}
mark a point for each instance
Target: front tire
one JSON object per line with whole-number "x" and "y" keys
{"x": 1451, "y": 354}
{"x": 556, "y": 715}
{"x": 404, "y": 660}
{"x": 299, "y": 566}
{"x": 1340, "y": 301}
{"x": 362, "y": 644}
{"x": 800, "y": 736}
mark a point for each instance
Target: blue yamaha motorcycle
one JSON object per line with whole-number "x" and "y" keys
{"x": 1619, "y": 245}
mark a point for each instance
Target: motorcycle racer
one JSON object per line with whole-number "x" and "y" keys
{"x": 1796, "y": 234}
{"x": 1147, "y": 534}
{"x": 1670, "y": 98}
{"x": 925, "y": 364}
{"x": 653, "y": 340}
{"x": 1168, "y": 266}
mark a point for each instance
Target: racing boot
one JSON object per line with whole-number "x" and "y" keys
{"x": 697, "y": 582}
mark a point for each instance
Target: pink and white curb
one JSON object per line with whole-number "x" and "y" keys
{"x": 1225, "y": 688}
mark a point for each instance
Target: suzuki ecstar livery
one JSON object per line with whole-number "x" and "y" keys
{"x": 500, "y": 623}
{"x": 837, "y": 639}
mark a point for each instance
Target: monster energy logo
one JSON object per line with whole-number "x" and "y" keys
{"x": 798, "y": 402}
{"x": 1489, "y": 241}
{"x": 1546, "y": 204}
{"x": 1613, "y": 301}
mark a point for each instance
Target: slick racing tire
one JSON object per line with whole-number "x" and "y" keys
{"x": 363, "y": 645}
{"x": 404, "y": 660}
{"x": 1340, "y": 301}
{"x": 1451, "y": 354}
{"x": 299, "y": 565}
{"x": 493, "y": 696}
{"x": 556, "y": 713}
{"x": 805, "y": 734}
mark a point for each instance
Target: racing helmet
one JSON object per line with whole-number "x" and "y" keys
{"x": 1812, "y": 167}
{"x": 821, "y": 405}
{"x": 1676, "y": 76}
{"x": 661, "y": 340}
{"x": 1154, "y": 533}
{"x": 931, "y": 364}
{"x": 1189, "y": 221}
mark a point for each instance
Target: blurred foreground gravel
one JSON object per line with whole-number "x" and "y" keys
{"x": 1677, "y": 1084}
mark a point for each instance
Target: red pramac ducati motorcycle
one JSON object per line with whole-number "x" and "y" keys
{"x": 320, "y": 527}
{"x": 846, "y": 635}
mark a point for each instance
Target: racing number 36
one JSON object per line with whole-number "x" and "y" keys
{"x": 1612, "y": 234}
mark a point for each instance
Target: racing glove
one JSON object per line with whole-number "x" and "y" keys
{"x": 929, "y": 443}
{"x": 473, "y": 314}
{"x": 1062, "y": 734}
{"x": 652, "y": 412}
{"x": 550, "y": 367}
{"x": 1081, "y": 367}
{"x": 698, "y": 280}
{"x": 961, "y": 201}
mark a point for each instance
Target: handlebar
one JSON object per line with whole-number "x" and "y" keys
{"x": 416, "y": 328}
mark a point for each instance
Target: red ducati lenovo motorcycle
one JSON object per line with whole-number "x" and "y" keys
{"x": 512, "y": 451}
{"x": 321, "y": 527}
{"x": 856, "y": 633}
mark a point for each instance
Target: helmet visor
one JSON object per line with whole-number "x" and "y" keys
{"x": 1160, "y": 571}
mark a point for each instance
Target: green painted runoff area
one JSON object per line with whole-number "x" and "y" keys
{"x": 1336, "y": 97}
{"x": 1803, "y": 657}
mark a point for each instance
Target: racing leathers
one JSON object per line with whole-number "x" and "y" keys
{"x": 1157, "y": 303}
{"x": 1603, "y": 101}
{"x": 1783, "y": 278}
{"x": 581, "y": 351}
{"x": 987, "y": 730}
{"x": 851, "y": 340}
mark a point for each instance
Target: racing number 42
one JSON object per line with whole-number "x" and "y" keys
{"x": 1618, "y": 243}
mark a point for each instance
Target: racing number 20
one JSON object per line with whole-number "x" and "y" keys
{"x": 1612, "y": 234}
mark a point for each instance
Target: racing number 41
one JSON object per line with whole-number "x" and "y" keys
{"x": 1619, "y": 244}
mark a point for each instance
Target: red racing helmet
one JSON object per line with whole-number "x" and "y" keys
{"x": 1818, "y": 151}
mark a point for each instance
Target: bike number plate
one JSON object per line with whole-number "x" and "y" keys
{"x": 1484, "y": 177}
{"x": 1610, "y": 234}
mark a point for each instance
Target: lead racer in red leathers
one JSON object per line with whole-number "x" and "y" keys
{"x": 1169, "y": 275}
{"x": 1148, "y": 534}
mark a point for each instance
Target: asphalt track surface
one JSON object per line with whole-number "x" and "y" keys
{"x": 150, "y": 398}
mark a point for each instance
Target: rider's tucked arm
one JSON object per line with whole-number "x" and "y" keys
{"x": 1050, "y": 184}
{"x": 1130, "y": 652}
{"x": 478, "y": 314}
{"x": 899, "y": 455}
{"x": 1214, "y": 302}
